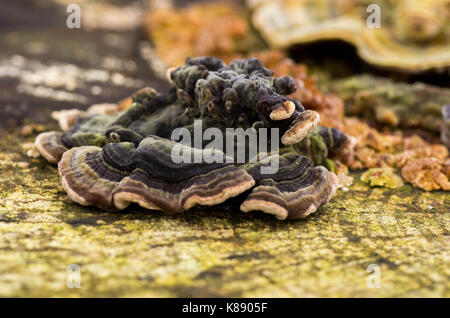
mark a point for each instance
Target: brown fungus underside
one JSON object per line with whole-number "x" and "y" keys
{"x": 111, "y": 160}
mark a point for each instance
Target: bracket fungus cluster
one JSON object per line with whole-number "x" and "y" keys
{"x": 111, "y": 160}
{"x": 411, "y": 35}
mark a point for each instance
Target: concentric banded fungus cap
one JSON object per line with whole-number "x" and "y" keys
{"x": 88, "y": 131}
{"x": 300, "y": 127}
{"x": 50, "y": 146}
{"x": 119, "y": 174}
{"x": 87, "y": 178}
{"x": 294, "y": 191}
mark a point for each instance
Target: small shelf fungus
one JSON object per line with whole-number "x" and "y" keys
{"x": 146, "y": 155}
{"x": 411, "y": 35}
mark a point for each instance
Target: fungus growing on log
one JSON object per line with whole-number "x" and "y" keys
{"x": 295, "y": 191}
{"x": 119, "y": 174}
{"x": 50, "y": 146}
{"x": 113, "y": 160}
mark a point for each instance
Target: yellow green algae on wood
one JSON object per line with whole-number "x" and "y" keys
{"x": 366, "y": 242}
{"x": 382, "y": 177}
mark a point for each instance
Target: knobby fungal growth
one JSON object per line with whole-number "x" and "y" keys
{"x": 111, "y": 160}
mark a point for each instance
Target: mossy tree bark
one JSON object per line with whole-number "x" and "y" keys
{"x": 217, "y": 251}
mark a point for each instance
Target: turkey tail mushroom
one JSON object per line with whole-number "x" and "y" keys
{"x": 119, "y": 174}
{"x": 296, "y": 190}
{"x": 50, "y": 146}
{"x": 301, "y": 126}
{"x": 113, "y": 160}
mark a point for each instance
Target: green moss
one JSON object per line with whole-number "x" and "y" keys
{"x": 392, "y": 103}
{"x": 216, "y": 251}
